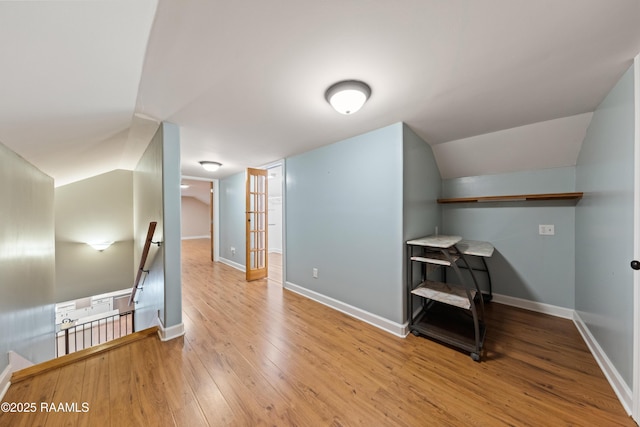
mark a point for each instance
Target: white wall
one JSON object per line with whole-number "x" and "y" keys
{"x": 26, "y": 260}
{"x": 195, "y": 218}
{"x": 95, "y": 209}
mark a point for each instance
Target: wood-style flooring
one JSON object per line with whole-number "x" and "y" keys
{"x": 275, "y": 268}
{"x": 256, "y": 354}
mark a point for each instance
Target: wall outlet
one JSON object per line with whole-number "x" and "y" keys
{"x": 233, "y": 250}
{"x": 546, "y": 230}
{"x": 315, "y": 273}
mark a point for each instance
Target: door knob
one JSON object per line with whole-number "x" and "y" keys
{"x": 635, "y": 264}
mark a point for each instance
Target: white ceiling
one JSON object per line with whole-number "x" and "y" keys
{"x": 245, "y": 80}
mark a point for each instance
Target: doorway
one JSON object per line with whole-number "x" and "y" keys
{"x": 275, "y": 207}
{"x": 198, "y": 214}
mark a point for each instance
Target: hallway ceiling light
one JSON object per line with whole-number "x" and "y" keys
{"x": 210, "y": 166}
{"x": 184, "y": 186}
{"x": 348, "y": 96}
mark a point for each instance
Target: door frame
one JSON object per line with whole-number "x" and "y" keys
{"x": 272, "y": 165}
{"x": 635, "y": 410}
{"x": 215, "y": 209}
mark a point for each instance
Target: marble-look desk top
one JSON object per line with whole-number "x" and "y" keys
{"x": 467, "y": 247}
{"x": 475, "y": 247}
{"x": 440, "y": 241}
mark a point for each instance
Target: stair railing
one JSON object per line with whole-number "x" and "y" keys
{"x": 94, "y": 332}
{"x": 143, "y": 260}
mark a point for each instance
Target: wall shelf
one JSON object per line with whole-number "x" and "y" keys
{"x": 514, "y": 198}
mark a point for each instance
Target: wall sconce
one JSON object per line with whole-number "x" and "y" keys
{"x": 99, "y": 246}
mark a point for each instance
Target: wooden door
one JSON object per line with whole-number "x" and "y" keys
{"x": 256, "y": 224}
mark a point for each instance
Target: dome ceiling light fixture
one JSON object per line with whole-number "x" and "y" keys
{"x": 210, "y": 166}
{"x": 348, "y": 96}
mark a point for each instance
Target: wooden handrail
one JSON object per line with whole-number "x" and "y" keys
{"x": 143, "y": 259}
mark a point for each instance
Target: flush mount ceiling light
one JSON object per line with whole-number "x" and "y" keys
{"x": 348, "y": 96}
{"x": 210, "y": 166}
{"x": 184, "y": 186}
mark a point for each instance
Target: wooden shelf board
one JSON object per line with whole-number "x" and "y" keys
{"x": 515, "y": 198}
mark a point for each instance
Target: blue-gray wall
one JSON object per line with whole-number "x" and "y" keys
{"x": 421, "y": 188}
{"x": 27, "y": 260}
{"x": 604, "y": 226}
{"x": 344, "y": 216}
{"x": 156, "y": 195}
{"x": 524, "y": 265}
{"x": 232, "y": 216}
{"x": 172, "y": 245}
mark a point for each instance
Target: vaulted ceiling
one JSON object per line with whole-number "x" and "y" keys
{"x": 84, "y": 83}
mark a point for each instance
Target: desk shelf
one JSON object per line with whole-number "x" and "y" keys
{"x": 451, "y": 326}
{"x": 452, "y": 313}
{"x": 447, "y": 293}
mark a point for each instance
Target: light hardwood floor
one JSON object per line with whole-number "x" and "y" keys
{"x": 275, "y": 268}
{"x": 256, "y": 354}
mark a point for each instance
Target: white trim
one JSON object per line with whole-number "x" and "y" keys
{"x": 233, "y": 264}
{"x": 613, "y": 376}
{"x": 5, "y": 381}
{"x": 615, "y": 380}
{"x": 171, "y": 332}
{"x": 619, "y": 386}
{"x": 206, "y": 236}
{"x": 275, "y": 251}
{"x": 282, "y": 163}
{"x": 553, "y": 310}
{"x": 18, "y": 362}
{"x": 636, "y": 243}
{"x": 400, "y": 330}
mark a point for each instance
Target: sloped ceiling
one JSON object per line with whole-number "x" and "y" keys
{"x": 85, "y": 82}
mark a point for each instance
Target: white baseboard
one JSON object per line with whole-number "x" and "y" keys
{"x": 206, "y": 236}
{"x": 171, "y": 332}
{"x": 400, "y": 330}
{"x": 16, "y": 363}
{"x": 619, "y": 386}
{"x": 611, "y": 373}
{"x": 553, "y": 310}
{"x": 233, "y": 264}
{"x": 5, "y": 381}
